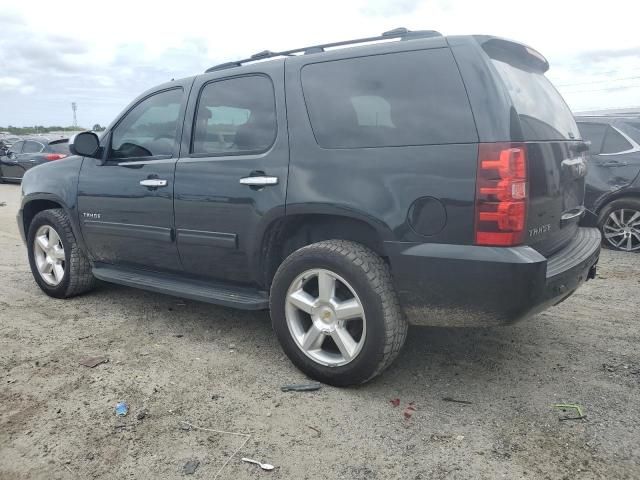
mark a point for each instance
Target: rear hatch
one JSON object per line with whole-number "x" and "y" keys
{"x": 555, "y": 155}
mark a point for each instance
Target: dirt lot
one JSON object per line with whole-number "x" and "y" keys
{"x": 222, "y": 369}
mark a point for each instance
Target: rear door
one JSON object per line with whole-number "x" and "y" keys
{"x": 556, "y": 156}
{"x": 614, "y": 161}
{"x": 231, "y": 178}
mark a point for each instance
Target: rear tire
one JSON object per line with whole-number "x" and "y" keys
{"x": 619, "y": 222}
{"x": 58, "y": 265}
{"x": 375, "y": 324}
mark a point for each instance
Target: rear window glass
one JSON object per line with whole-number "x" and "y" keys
{"x": 407, "y": 98}
{"x": 615, "y": 143}
{"x": 59, "y": 147}
{"x": 543, "y": 113}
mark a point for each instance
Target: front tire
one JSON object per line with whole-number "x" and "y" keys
{"x": 58, "y": 265}
{"x": 619, "y": 223}
{"x": 335, "y": 312}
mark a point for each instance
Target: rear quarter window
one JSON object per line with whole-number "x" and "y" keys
{"x": 614, "y": 142}
{"x": 397, "y": 99}
{"x": 59, "y": 147}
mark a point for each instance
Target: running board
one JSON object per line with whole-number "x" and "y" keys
{"x": 210, "y": 292}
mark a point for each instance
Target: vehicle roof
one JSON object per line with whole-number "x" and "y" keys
{"x": 608, "y": 118}
{"x": 397, "y": 34}
{"x": 45, "y": 140}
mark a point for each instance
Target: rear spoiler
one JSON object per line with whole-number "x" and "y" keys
{"x": 516, "y": 54}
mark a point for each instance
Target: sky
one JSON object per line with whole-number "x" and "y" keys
{"x": 101, "y": 55}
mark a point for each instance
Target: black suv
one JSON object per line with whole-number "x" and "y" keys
{"x": 430, "y": 180}
{"x": 613, "y": 179}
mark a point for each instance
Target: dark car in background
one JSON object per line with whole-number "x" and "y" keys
{"x": 613, "y": 178}
{"x": 29, "y": 152}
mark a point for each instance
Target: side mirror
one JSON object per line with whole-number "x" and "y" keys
{"x": 85, "y": 144}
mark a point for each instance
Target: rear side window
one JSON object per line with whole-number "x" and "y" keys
{"x": 614, "y": 142}
{"x": 32, "y": 147}
{"x": 594, "y": 133}
{"x": 235, "y": 116}
{"x": 407, "y": 98}
{"x": 543, "y": 113}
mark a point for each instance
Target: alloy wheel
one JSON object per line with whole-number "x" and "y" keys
{"x": 622, "y": 229}
{"x": 49, "y": 255}
{"x": 325, "y": 317}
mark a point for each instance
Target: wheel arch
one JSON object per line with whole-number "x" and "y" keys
{"x": 632, "y": 192}
{"x": 36, "y": 203}
{"x": 287, "y": 233}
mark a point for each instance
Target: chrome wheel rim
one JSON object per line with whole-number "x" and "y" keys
{"x": 49, "y": 255}
{"x": 325, "y": 317}
{"x": 622, "y": 229}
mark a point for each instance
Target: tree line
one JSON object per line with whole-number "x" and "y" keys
{"x": 42, "y": 129}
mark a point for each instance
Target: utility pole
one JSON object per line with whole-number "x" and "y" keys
{"x": 74, "y": 107}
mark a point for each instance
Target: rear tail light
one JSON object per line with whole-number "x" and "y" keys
{"x": 501, "y": 194}
{"x": 54, "y": 156}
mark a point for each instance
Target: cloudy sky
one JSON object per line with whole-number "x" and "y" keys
{"x": 102, "y": 54}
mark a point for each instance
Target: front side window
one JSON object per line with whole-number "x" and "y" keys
{"x": 235, "y": 116}
{"x": 405, "y": 98}
{"x": 614, "y": 142}
{"x": 32, "y": 147}
{"x": 149, "y": 129}
{"x": 16, "y": 148}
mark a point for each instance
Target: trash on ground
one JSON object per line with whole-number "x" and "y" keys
{"x": 301, "y": 387}
{"x": 315, "y": 430}
{"x": 3, "y": 204}
{"x": 264, "y": 466}
{"x": 570, "y": 406}
{"x": 395, "y": 402}
{"x": 141, "y": 414}
{"x": 455, "y": 400}
{"x": 92, "y": 362}
{"x": 122, "y": 409}
{"x": 409, "y": 411}
{"x": 188, "y": 426}
{"x": 190, "y": 467}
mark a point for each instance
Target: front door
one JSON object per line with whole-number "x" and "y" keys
{"x": 231, "y": 178}
{"x": 10, "y": 163}
{"x": 125, "y": 201}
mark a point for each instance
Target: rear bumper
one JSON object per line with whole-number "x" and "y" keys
{"x": 464, "y": 285}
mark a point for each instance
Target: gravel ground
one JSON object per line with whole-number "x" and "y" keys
{"x": 222, "y": 369}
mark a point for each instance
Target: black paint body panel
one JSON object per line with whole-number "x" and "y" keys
{"x": 205, "y": 228}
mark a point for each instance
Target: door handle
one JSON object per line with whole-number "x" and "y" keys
{"x": 153, "y": 182}
{"x": 259, "y": 181}
{"x": 614, "y": 163}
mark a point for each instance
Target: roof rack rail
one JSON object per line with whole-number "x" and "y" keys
{"x": 401, "y": 33}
